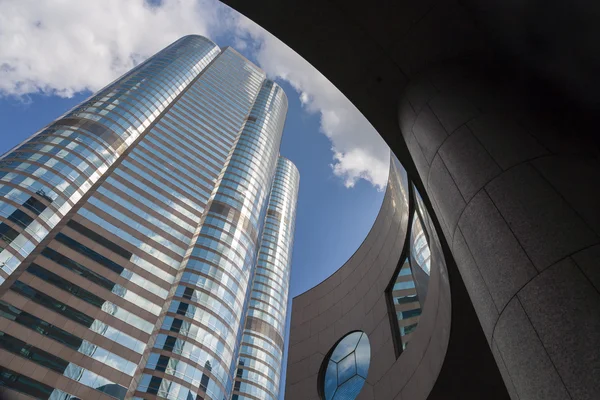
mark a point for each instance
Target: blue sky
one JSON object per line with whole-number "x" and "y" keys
{"x": 54, "y": 56}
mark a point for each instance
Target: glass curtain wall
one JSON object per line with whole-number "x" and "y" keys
{"x": 58, "y": 165}
{"x": 199, "y": 338}
{"x": 130, "y": 231}
{"x": 262, "y": 344}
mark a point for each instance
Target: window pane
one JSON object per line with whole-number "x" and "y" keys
{"x": 347, "y": 368}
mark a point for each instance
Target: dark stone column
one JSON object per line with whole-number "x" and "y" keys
{"x": 514, "y": 183}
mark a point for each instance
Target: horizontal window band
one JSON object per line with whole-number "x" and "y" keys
{"x": 269, "y": 330}
{"x": 99, "y": 239}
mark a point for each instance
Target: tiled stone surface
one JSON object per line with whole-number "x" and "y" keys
{"x": 469, "y": 163}
{"x": 530, "y": 368}
{"x": 589, "y": 262}
{"x": 445, "y": 227}
{"x": 446, "y": 194}
{"x": 573, "y": 178}
{"x": 366, "y": 392}
{"x": 558, "y": 137}
{"x": 429, "y": 132}
{"x": 300, "y": 332}
{"x": 419, "y": 92}
{"x": 476, "y": 286}
{"x": 542, "y": 221}
{"x": 417, "y": 155}
{"x": 385, "y": 358}
{"x": 406, "y": 116}
{"x": 505, "y": 373}
{"x": 303, "y": 349}
{"x": 574, "y": 352}
{"x": 327, "y": 339}
{"x": 502, "y": 262}
{"x": 452, "y": 110}
{"x": 382, "y": 390}
{"x": 298, "y": 371}
{"x": 507, "y": 141}
{"x": 304, "y": 389}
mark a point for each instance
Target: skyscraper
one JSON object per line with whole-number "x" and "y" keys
{"x": 146, "y": 237}
{"x": 261, "y": 350}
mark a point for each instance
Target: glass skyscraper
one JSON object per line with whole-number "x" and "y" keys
{"x": 146, "y": 237}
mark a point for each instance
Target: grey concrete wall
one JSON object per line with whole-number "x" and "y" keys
{"x": 353, "y": 298}
{"x": 516, "y": 195}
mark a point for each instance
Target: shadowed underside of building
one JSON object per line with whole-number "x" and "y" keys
{"x": 490, "y": 108}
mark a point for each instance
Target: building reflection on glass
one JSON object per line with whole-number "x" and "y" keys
{"x": 409, "y": 291}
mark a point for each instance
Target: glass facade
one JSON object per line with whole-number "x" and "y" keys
{"x": 261, "y": 346}
{"x": 138, "y": 236}
{"x": 59, "y": 165}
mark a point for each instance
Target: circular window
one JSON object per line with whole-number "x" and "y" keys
{"x": 344, "y": 370}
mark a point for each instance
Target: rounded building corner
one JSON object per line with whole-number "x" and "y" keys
{"x": 373, "y": 293}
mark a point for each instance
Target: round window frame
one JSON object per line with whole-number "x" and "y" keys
{"x": 323, "y": 368}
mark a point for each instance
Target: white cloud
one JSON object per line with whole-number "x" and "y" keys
{"x": 355, "y": 164}
{"x": 62, "y": 47}
{"x": 358, "y": 150}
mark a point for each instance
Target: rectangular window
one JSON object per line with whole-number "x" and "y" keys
{"x": 22, "y": 384}
{"x": 99, "y": 239}
{"x": 55, "y": 305}
{"x": 406, "y": 303}
{"x": 86, "y": 251}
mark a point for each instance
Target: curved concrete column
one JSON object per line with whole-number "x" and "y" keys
{"x": 516, "y": 194}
